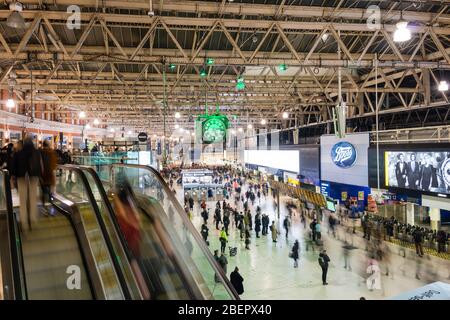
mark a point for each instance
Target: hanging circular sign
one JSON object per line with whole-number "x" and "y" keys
{"x": 142, "y": 136}
{"x": 343, "y": 154}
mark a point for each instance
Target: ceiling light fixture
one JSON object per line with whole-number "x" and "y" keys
{"x": 249, "y": 126}
{"x": 88, "y": 126}
{"x": 402, "y": 33}
{"x": 96, "y": 122}
{"x": 177, "y": 126}
{"x": 10, "y": 103}
{"x": 82, "y": 115}
{"x": 240, "y": 130}
{"x": 443, "y": 86}
{"x": 325, "y": 37}
{"x": 285, "y": 115}
{"x": 177, "y": 115}
{"x": 263, "y": 121}
{"x": 15, "y": 19}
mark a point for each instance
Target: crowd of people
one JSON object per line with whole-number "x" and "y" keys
{"x": 241, "y": 208}
{"x": 29, "y": 168}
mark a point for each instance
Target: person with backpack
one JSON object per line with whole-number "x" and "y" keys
{"x": 205, "y": 232}
{"x": 223, "y": 238}
{"x": 323, "y": 262}
{"x": 27, "y": 169}
{"x": 294, "y": 253}
{"x": 205, "y": 215}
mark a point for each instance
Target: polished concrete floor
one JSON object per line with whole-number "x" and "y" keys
{"x": 268, "y": 272}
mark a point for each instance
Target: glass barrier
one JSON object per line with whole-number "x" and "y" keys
{"x": 69, "y": 184}
{"x": 201, "y": 264}
{"x": 120, "y": 253}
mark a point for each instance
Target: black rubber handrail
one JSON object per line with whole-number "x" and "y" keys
{"x": 69, "y": 216}
{"x": 188, "y": 223}
{"x": 109, "y": 208}
{"x": 103, "y": 228}
{"x": 18, "y": 267}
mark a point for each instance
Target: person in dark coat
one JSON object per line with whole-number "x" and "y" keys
{"x": 257, "y": 224}
{"x": 205, "y": 232}
{"x": 413, "y": 172}
{"x": 401, "y": 171}
{"x": 27, "y": 169}
{"x": 48, "y": 181}
{"x": 323, "y": 262}
{"x": 295, "y": 250}
{"x": 237, "y": 281}
{"x": 191, "y": 203}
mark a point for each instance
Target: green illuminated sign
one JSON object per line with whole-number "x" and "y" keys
{"x": 214, "y": 127}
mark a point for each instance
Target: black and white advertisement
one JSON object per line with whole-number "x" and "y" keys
{"x": 424, "y": 171}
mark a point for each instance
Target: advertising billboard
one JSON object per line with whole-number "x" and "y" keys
{"x": 287, "y": 160}
{"x": 412, "y": 168}
{"x": 310, "y": 165}
{"x": 345, "y": 160}
{"x": 424, "y": 171}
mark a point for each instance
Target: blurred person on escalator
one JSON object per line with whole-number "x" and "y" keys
{"x": 49, "y": 162}
{"x": 27, "y": 169}
{"x": 128, "y": 220}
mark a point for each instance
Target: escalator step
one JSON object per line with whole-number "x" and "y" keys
{"x": 32, "y": 247}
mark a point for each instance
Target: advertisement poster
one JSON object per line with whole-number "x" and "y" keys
{"x": 425, "y": 171}
{"x": 344, "y": 195}
{"x": 361, "y": 195}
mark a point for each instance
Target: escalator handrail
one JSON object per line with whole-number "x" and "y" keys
{"x": 110, "y": 248}
{"x": 18, "y": 268}
{"x": 188, "y": 223}
{"x": 109, "y": 207}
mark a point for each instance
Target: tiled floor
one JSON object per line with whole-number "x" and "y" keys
{"x": 269, "y": 274}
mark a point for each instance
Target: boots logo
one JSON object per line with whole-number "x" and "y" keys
{"x": 343, "y": 154}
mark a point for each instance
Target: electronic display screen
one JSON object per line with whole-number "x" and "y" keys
{"x": 418, "y": 170}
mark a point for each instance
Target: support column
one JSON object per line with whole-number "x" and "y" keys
{"x": 410, "y": 213}
{"x": 435, "y": 218}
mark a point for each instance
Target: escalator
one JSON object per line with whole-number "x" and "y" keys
{"x": 164, "y": 223}
{"x": 65, "y": 256}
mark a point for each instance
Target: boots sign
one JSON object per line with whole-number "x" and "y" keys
{"x": 142, "y": 137}
{"x": 343, "y": 154}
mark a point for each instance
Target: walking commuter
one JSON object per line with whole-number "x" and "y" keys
{"x": 223, "y": 262}
{"x": 27, "y": 169}
{"x": 223, "y": 238}
{"x": 205, "y": 232}
{"x": 418, "y": 239}
{"x": 294, "y": 253}
{"x": 226, "y": 221}
{"x": 275, "y": 232}
{"x": 48, "y": 180}
{"x": 286, "y": 225}
{"x": 191, "y": 203}
{"x": 312, "y": 226}
{"x": 247, "y": 239}
{"x": 318, "y": 230}
{"x": 323, "y": 262}
{"x": 257, "y": 224}
{"x": 217, "y": 218}
{"x": 205, "y": 215}
{"x": 441, "y": 238}
{"x": 237, "y": 281}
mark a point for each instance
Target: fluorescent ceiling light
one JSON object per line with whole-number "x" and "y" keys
{"x": 402, "y": 33}
{"x": 10, "y": 103}
{"x": 443, "y": 86}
